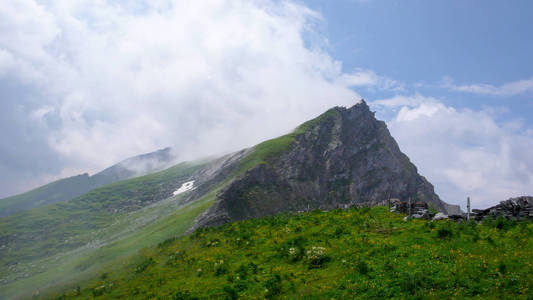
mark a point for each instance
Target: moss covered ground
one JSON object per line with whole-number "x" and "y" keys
{"x": 340, "y": 254}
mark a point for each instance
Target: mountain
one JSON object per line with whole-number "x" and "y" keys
{"x": 342, "y": 158}
{"x": 68, "y": 188}
{"x": 345, "y": 157}
{"x": 60, "y": 242}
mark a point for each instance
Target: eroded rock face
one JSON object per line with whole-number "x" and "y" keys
{"x": 345, "y": 157}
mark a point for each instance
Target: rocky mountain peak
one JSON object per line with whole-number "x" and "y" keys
{"x": 344, "y": 157}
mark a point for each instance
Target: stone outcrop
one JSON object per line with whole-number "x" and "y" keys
{"x": 343, "y": 158}
{"x": 419, "y": 210}
{"x": 520, "y": 208}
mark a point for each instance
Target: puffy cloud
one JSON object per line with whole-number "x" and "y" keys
{"x": 463, "y": 152}
{"x": 505, "y": 90}
{"x": 117, "y": 79}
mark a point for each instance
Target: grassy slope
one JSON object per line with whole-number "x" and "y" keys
{"x": 53, "y": 192}
{"x": 76, "y": 222}
{"x": 87, "y": 263}
{"x": 272, "y": 148}
{"x": 54, "y": 228}
{"x": 57, "y": 238}
{"x": 368, "y": 253}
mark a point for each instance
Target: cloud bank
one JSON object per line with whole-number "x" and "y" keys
{"x": 108, "y": 80}
{"x": 86, "y": 84}
{"x": 463, "y": 152}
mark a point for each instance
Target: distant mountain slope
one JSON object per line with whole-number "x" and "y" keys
{"x": 344, "y": 157}
{"x": 59, "y": 239}
{"x": 68, "y": 188}
{"x": 71, "y": 240}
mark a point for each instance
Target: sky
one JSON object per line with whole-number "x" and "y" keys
{"x": 85, "y": 84}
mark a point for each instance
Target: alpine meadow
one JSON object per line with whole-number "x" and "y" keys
{"x": 266, "y": 149}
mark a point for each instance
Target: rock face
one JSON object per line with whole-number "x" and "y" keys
{"x": 520, "y": 208}
{"x": 345, "y": 157}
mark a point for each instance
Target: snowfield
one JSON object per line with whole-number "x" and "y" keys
{"x": 185, "y": 187}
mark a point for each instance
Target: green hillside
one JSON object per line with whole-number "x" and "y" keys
{"x": 53, "y": 192}
{"x": 341, "y": 254}
{"x": 67, "y": 188}
{"x": 62, "y": 241}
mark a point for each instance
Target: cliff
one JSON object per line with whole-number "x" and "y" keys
{"x": 345, "y": 157}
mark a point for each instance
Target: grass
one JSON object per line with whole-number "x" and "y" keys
{"x": 267, "y": 150}
{"x": 53, "y": 192}
{"x": 367, "y": 253}
{"x": 54, "y": 242}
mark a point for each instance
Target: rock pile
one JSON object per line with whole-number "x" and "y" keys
{"x": 419, "y": 210}
{"x": 520, "y": 208}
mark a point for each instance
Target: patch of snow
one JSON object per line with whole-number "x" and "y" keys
{"x": 185, "y": 187}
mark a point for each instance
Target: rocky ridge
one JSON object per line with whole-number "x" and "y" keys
{"x": 343, "y": 158}
{"x": 519, "y": 208}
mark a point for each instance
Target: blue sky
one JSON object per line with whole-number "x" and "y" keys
{"x": 425, "y": 41}
{"x": 85, "y": 84}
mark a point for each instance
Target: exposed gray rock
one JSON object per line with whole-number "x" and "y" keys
{"x": 419, "y": 210}
{"x": 520, "y": 208}
{"x": 457, "y": 217}
{"x": 440, "y": 216}
{"x": 343, "y": 158}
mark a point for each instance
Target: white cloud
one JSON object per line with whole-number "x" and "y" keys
{"x": 203, "y": 76}
{"x": 368, "y": 78}
{"x": 116, "y": 79}
{"x": 403, "y": 100}
{"x": 505, "y": 90}
{"x": 463, "y": 152}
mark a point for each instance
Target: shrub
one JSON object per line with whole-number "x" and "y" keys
{"x": 444, "y": 232}
{"x": 339, "y": 231}
{"x": 293, "y": 249}
{"x": 411, "y": 282}
{"x": 145, "y": 264}
{"x": 362, "y": 267}
{"x": 273, "y": 286}
{"x": 317, "y": 257}
{"x": 98, "y": 291}
{"x": 230, "y": 292}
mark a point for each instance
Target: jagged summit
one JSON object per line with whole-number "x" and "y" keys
{"x": 343, "y": 157}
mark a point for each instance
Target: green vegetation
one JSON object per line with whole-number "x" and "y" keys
{"x": 341, "y": 254}
{"x": 56, "y": 242}
{"x": 54, "y": 228}
{"x": 267, "y": 150}
{"x": 53, "y": 192}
